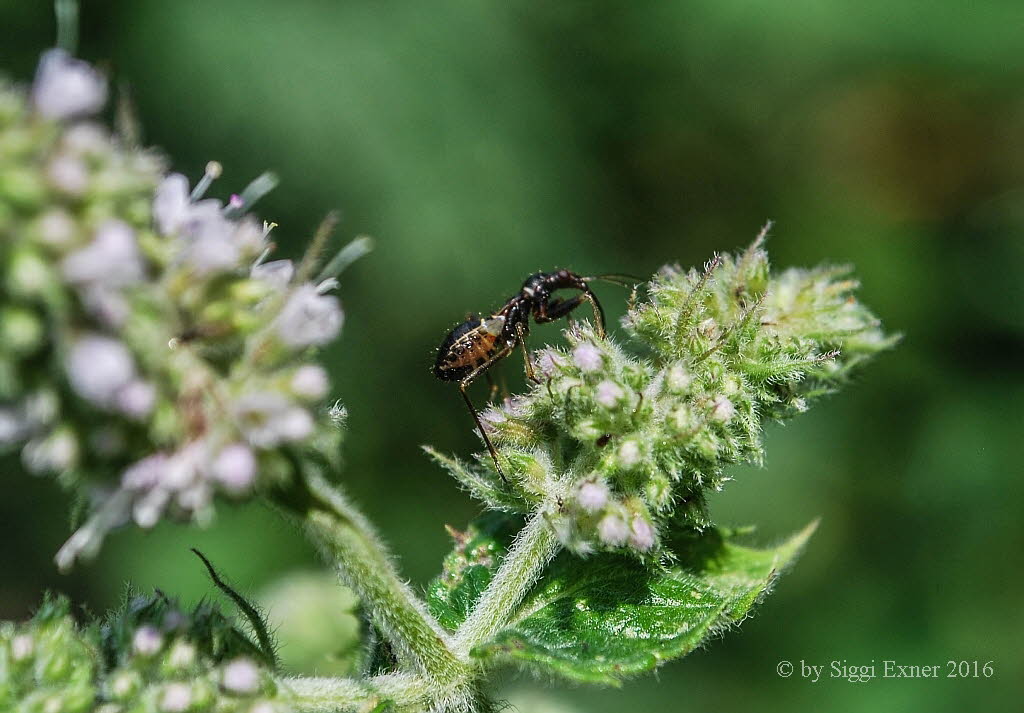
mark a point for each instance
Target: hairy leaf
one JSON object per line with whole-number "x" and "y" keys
{"x": 600, "y": 619}
{"x": 468, "y": 569}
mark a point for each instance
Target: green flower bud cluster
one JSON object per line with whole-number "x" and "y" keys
{"x": 148, "y": 352}
{"x": 615, "y": 446}
{"x": 151, "y": 657}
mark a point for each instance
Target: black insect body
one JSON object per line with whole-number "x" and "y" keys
{"x": 479, "y": 342}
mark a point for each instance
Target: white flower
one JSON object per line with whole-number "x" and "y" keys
{"x": 722, "y": 409}
{"x": 111, "y": 259}
{"x": 147, "y": 511}
{"x": 171, "y": 203}
{"x": 277, "y": 273}
{"x": 268, "y": 419}
{"x": 679, "y": 378}
{"x": 12, "y": 426}
{"x": 68, "y": 174}
{"x": 310, "y": 382}
{"x": 235, "y": 468}
{"x": 22, "y": 647}
{"x": 608, "y": 393}
{"x": 56, "y": 228}
{"x": 87, "y": 139}
{"x": 241, "y": 676}
{"x": 98, "y": 367}
{"x": 66, "y": 87}
{"x": 177, "y": 698}
{"x": 629, "y": 454}
{"x": 309, "y": 318}
{"x": 549, "y": 362}
{"x": 587, "y": 357}
{"x": 146, "y": 473}
{"x": 592, "y": 496}
{"x": 147, "y": 641}
{"x": 56, "y": 452}
{"x": 181, "y": 655}
{"x": 641, "y": 534}
{"x": 136, "y": 399}
{"x": 612, "y": 530}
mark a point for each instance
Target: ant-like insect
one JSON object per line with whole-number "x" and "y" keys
{"x": 472, "y": 347}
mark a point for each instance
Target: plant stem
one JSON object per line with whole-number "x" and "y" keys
{"x": 366, "y": 566}
{"x": 533, "y": 548}
{"x": 337, "y": 695}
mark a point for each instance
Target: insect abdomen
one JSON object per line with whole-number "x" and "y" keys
{"x": 469, "y": 346}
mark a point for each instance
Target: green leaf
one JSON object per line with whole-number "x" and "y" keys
{"x": 599, "y": 619}
{"x": 468, "y": 569}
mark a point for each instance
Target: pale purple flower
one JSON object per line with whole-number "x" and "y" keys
{"x": 722, "y": 409}
{"x": 147, "y": 641}
{"x": 105, "y": 303}
{"x": 608, "y": 393}
{"x": 145, "y": 474}
{"x": 111, "y": 259}
{"x": 587, "y": 357}
{"x": 310, "y": 382}
{"x": 276, "y": 273}
{"x": 235, "y": 468}
{"x": 98, "y": 367}
{"x": 641, "y": 534}
{"x": 235, "y": 201}
{"x": 268, "y": 419}
{"x": 592, "y": 496}
{"x": 176, "y": 698}
{"x": 171, "y": 203}
{"x": 66, "y": 87}
{"x": 68, "y": 174}
{"x": 309, "y": 318}
{"x": 549, "y": 362}
{"x": 629, "y": 454}
{"x": 612, "y": 530}
{"x": 241, "y": 676}
{"x": 491, "y": 418}
{"x": 136, "y": 399}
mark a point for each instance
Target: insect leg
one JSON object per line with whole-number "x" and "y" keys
{"x": 598, "y": 312}
{"x": 493, "y": 385}
{"x": 483, "y": 433}
{"x": 521, "y": 332}
{"x": 557, "y": 308}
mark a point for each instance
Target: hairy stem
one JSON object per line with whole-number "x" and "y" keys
{"x": 340, "y": 695}
{"x": 533, "y": 548}
{"x": 366, "y": 566}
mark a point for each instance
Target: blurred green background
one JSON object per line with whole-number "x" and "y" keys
{"x": 479, "y": 142}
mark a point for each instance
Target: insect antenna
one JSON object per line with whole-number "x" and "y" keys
{"x": 620, "y": 279}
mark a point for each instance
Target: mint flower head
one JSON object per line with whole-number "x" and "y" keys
{"x": 183, "y": 357}
{"x": 615, "y": 444}
{"x": 151, "y": 656}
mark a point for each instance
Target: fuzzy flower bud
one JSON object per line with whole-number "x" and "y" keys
{"x": 587, "y": 357}
{"x": 592, "y": 496}
{"x": 98, "y": 367}
{"x": 66, "y": 87}
{"x": 309, "y": 318}
{"x": 613, "y": 530}
{"x": 241, "y": 677}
